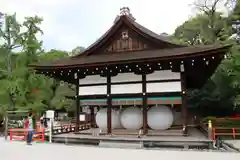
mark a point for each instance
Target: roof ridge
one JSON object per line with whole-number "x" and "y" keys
{"x": 152, "y": 33}
{"x": 129, "y": 20}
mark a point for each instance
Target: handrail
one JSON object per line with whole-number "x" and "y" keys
{"x": 228, "y": 118}
{"x": 232, "y": 132}
{"x": 21, "y": 134}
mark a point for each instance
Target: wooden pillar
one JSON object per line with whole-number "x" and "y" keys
{"x": 144, "y": 104}
{"x": 109, "y": 106}
{"x": 92, "y": 117}
{"x": 77, "y": 107}
{"x": 184, "y": 102}
{"x": 6, "y": 126}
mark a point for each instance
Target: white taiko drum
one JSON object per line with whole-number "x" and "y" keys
{"x": 101, "y": 119}
{"x": 132, "y": 118}
{"x": 160, "y": 117}
{"x": 119, "y": 119}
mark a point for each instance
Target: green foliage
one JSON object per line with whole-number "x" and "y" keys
{"x": 28, "y": 89}
{"x": 203, "y": 30}
{"x": 220, "y": 96}
{"x": 77, "y": 50}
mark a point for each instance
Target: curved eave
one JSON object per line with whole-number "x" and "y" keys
{"x": 150, "y": 35}
{"x": 153, "y": 55}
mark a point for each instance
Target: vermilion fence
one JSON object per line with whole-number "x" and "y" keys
{"x": 226, "y": 131}
{"x": 231, "y": 118}
{"x": 21, "y": 134}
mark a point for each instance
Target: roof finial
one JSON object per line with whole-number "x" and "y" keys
{"x": 125, "y": 11}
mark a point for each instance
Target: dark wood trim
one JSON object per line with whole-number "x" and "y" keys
{"x": 100, "y": 96}
{"x": 144, "y": 104}
{"x": 92, "y": 116}
{"x": 163, "y": 81}
{"x": 131, "y": 82}
{"x": 163, "y": 94}
{"x": 214, "y": 52}
{"x": 109, "y": 106}
{"x": 130, "y": 95}
{"x": 77, "y": 108}
{"x": 184, "y": 103}
{"x": 95, "y": 84}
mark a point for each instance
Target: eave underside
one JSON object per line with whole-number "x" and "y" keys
{"x": 137, "y": 56}
{"x": 199, "y": 64}
{"x": 197, "y": 69}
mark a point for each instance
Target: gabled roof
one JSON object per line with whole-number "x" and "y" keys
{"x": 159, "y": 50}
{"x": 143, "y": 31}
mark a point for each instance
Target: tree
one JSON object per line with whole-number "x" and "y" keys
{"x": 54, "y": 89}
{"x": 77, "y": 50}
{"x": 25, "y": 78}
{"x": 207, "y": 27}
{"x": 234, "y": 20}
{"x": 210, "y": 27}
{"x": 10, "y": 33}
{"x": 28, "y": 89}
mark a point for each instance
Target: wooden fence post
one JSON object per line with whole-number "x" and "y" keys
{"x": 43, "y": 135}
{"x": 11, "y": 135}
{"x": 210, "y": 130}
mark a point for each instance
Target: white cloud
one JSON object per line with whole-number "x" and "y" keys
{"x": 70, "y": 23}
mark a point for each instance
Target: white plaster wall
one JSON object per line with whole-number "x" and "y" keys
{"x": 126, "y": 77}
{"x": 93, "y": 90}
{"x": 126, "y": 88}
{"x": 131, "y": 88}
{"x": 94, "y": 79}
{"x": 164, "y": 87}
{"x": 163, "y": 75}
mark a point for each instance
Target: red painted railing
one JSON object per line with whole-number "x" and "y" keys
{"x": 21, "y": 134}
{"x": 225, "y": 131}
{"x": 230, "y": 118}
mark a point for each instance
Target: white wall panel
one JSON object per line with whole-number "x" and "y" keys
{"x": 127, "y": 88}
{"x": 94, "y": 79}
{"x": 163, "y": 75}
{"x": 93, "y": 90}
{"x": 126, "y": 77}
{"x": 164, "y": 87}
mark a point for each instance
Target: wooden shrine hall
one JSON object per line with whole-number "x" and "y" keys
{"x": 130, "y": 61}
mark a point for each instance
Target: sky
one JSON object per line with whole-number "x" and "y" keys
{"x": 71, "y": 23}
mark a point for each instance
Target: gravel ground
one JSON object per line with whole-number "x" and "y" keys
{"x": 38, "y": 151}
{"x": 235, "y": 143}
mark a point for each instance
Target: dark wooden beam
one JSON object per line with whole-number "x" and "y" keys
{"x": 92, "y": 116}
{"x": 144, "y": 104}
{"x": 128, "y": 95}
{"x": 77, "y": 107}
{"x": 130, "y": 82}
{"x": 184, "y": 103}
{"x": 109, "y": 106}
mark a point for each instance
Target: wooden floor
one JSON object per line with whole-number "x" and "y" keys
{"x": 194, "y": 136}
{"x": 124, "y": 132}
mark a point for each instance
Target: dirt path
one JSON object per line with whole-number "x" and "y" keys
{"x": 18, "y": 150}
